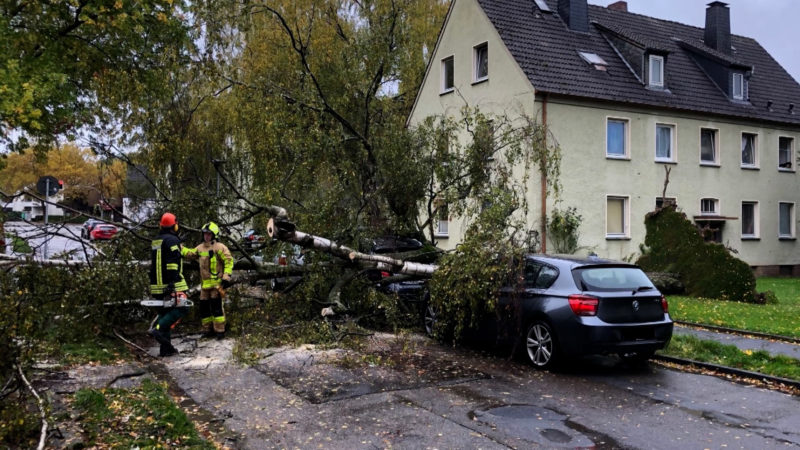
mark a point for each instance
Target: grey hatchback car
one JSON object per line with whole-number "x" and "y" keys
{"x": 579, "y": 306}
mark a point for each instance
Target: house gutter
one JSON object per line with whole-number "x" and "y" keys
{"x": 543, "y": 172}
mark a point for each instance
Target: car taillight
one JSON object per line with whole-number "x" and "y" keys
{"x": 583, "y": 305}
{"x": 282, "y": 260}
{"x": 385, "y": 274}
{"x": 664, "y": 304}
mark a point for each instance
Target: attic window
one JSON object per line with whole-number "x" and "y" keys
{"x": 656, "y": 71}
{"x": 542, "y": 5}
{"x": 737, "y": 90}
{"x": 594, "y": 59}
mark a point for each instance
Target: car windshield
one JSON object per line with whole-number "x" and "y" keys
{"x": 604, "y": 278}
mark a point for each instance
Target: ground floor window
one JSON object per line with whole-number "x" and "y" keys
{"x": 786, "y": 220}
{"x": 616, "y": 217}
{"x": 749, "y": 220}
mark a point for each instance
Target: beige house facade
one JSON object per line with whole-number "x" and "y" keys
{"x": 627, "y": 100}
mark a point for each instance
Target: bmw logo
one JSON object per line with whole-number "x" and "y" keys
{"x": 635, "y": 305}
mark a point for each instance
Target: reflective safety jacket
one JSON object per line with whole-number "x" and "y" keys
{"x": 166, "y": 264}
{"x": 215, "y": 261}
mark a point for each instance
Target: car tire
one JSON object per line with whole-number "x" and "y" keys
{"x": 429, "y": 318}
{"x": 541, "y": 345}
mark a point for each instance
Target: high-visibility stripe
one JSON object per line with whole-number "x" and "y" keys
{"x": 174, "y": 248}
{"x": 206, "y": 320}
{"x": 220, "y": 319}
{"x": 172, "y": 266}
{"x": 159, "y": 276}
{"x": 209, "y": 283}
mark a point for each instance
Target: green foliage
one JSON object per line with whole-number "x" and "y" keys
{"x": 728, "y": 355}
{"x": 563, "y": 230}
{"x": 707, "y": 269}
{"x": 56, "y": 58}
{"x": 778, "y": 318}
{"x": 465, "y": 288}
{"x": 142, "y": 417}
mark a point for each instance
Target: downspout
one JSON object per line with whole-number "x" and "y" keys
{"x": 543, "y": 172}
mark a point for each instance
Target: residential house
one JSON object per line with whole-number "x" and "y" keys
{"x": 626, "y": 96}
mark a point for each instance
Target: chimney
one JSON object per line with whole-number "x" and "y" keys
{"x": 718, "y": 27}
{"x": 575, "y": 13}
{"x": 618, "y": 6}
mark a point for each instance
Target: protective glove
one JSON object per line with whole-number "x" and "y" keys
{"x": 226, "y": 283}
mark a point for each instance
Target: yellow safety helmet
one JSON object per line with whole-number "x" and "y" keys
{"x": 212, "y": 228}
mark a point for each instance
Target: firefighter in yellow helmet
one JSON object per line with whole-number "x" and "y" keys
{"x": 216, "y": 265}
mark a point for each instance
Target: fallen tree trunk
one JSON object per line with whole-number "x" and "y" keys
{"x": 286, "y": 231}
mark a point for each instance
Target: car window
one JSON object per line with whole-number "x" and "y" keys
{"x": 547, "y": 276}
{"x": 531, "y": 273}
{"x": 611, "y": 278}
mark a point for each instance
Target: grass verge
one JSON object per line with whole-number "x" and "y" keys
{"x": 143, "y": 417}
{"x": 774, "y": 318}
{"x": 690, "y": 347}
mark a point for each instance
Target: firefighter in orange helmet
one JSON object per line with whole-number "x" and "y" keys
{"x": 166, "y": 281}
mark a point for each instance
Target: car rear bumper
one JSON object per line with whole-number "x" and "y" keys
{"x": 607, "y": 338}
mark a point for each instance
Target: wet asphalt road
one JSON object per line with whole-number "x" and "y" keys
{"x": 440, "y": 397}
{"x": 60, "y": 239}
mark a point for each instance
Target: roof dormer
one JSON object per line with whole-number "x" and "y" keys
{"x": 646, "y": 58}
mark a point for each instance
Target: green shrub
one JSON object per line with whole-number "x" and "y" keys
{"x": 563, "y": 228}
{"x": 707, "y": 269}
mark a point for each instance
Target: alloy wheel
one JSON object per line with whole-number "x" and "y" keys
{"x": 540, "y": 345}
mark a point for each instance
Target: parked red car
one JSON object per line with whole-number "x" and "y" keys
{"x": 103, "y": 231}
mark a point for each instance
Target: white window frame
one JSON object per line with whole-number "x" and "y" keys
{"x": 715, "y": 209}
{"x": 626, "y": 138}
{"x": 756, "y": 224}
{"x": 444, "y": 88}
{"x": 744, "y": 165}
{"x": 650, "y": 71}
{"x": 442, "y": 225}
{"x": 476, "y": 77}
{"x": 792, "y": 155}
{"x": 672, "y": 145}
{"x": 792, "y": 221}
{"x": 737, "y": 82}
{"x": 626, "y": 213}
{"x": 715, "y": 162}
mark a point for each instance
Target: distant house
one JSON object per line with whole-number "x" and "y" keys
{"x": 29, "y": 208}
{"x": 626, "y": 95}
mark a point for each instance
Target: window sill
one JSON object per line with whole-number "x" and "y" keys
{"x": 785, "y": 170}
{"x": 447, "y": 91}
{"x": 787, "y": 238}
{"x": 666, "y": 161}
{"x": 751, "y": 238}
{"x": 441, "y": 236}
{"x": 710, "y": 164}
{"x": 482, "y": 80}
{"x": 618, "y": 238}
{"x": 750, "y": 167}
{"x": 618, "y": 157}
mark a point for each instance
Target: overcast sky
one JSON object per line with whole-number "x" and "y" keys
{"x": 773, "y": 23}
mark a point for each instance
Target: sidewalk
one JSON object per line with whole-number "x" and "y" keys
{"x": 743, "y": 342}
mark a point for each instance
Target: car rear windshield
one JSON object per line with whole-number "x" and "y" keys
{"x": 604, "y": 278}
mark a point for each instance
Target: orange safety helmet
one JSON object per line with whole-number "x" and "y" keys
{"x": 168, "y": 220}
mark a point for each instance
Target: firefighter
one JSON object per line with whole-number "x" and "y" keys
{"x": 216, "y": 265}
{"x": 167, "y": 282}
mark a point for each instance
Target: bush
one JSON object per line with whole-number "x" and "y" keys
{"x": 707, "y": 269}
{"x": 563, "y": 227}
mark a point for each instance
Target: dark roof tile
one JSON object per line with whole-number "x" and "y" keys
{"x": 547, "y": 51}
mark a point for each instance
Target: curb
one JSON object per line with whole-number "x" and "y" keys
{"x": 757, "y": 334}
{"x": 729, "y": 370}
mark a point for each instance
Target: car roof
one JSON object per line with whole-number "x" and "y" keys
{"x": 573, "y": 261}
